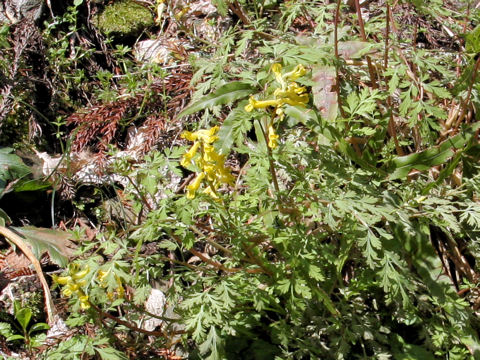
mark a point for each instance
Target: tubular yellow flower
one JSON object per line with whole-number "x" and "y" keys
{"x": 84, "y": 303}
{"x": 188, "y": 156}
{"x": 272, "y": 137}
{"x": 102, "y": 276}
{"x": 73, "y": 287}
{"x": 224, "y": 176}
{"x": 80, "y": 274}
{"x": 291, "y": 97}
{"x": 211, "y": 163}
{"x": 62, "y": 280}
{"x": 67, "y": 292}
{"x": 211, "y": 156}
{"x": 297, "y": 72}
{"x": 261, "y": 104}
{"x": 206, "y": 136}
{"x": 277, "y": 71}
{"x": 74, "y": 282}
{"x": 208, "y": 190}
{"x": 193, "y": 187}
{"x": 288, "y": 93}
{"x": 120, "y": 289}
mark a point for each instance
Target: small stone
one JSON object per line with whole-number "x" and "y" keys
{"x": 12, "y": 11}
{"x": 154, "y": 51}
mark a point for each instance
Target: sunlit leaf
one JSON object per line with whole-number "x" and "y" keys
{"x": 42, "y": 240}
{"x": 324, "y": 93}
{"x": 223, "y": 95}
{"x": 436, "y": 155}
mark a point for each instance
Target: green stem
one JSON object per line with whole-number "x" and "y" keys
{"x": 270, "y": 160}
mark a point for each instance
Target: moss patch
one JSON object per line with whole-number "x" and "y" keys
{"x": 124, "y": 18}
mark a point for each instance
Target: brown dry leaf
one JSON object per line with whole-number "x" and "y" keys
{"x": 19, "y": 242}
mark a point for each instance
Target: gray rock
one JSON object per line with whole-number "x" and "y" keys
{"x": 155, "y": 51}
{"x": 12, "y": 11}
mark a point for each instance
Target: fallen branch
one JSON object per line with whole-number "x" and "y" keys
{"x": 18, "y": 241}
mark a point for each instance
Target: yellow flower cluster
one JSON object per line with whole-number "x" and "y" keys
{"x": 73, "y": 284}
{"x": 211, "y": 164}
{"x": 119, "y": 291}
{"x": 289, "y": 93}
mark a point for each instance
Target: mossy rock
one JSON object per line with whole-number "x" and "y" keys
{"x": 124, "y": 19}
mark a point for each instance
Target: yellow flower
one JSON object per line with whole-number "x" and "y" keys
{"x": 293, "y": 75}
{"x": 272, "y": 137}
{"x": 211, "y": 156}
{"x": 74, "y": 282}
{"x": 77, "y": 275}
{"x": 62, "y": 280}
{"x": 291, "y": 96}
{"x": 73, "y": 287}
{"x": 120, "y": 289}
{"x": 288, "y": 93}
{"x": 206, "y": 136}
{"x": 208, "y": 190}
{"x": 261, "y": 104}
{"x": 193, "y": 187}
{"x": 101, "y": 275}
{"x": 297, "y": 72}
{"x": 102, "y": 278}
{"x": 67, "y": 292}
{"x": 277, "y": 71}
{"x": 188, "y": 156}
{"x": 224, "y": 176}
{"x": 84, "y": 303}
{"x": 211, "y": 163}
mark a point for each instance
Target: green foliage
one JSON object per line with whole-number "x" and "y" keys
{"x": 81, "y": 345}
{"x": 14, "y": 176}
{"x": 223, "y": 95}
{"x": 436, "y": 155}
{"x": 124, "y": 18}
{"x": 24, "y": 330}
{"x": 54, "y": 242}
{"x": 13, "y": 169}
{"x": 349, "y": 236}
{"x": 472, "y": 43}
{"x": 4, "y": 30}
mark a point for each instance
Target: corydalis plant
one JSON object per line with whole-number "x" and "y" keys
{"x": 209, "y": 163}
{"x": 74, "y": 284}
{"x": 289, "y": 93}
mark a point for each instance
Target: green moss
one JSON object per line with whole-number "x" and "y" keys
{"x": 124, "y": 18}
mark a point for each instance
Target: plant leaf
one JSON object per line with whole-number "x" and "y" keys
{"x": 15, "y": 337}
{"x": 11, "y": 168}
{"x": 353, "y": 49}
{"x": 472, "y": 41}
{"x": 109, "y": 353}
{"x": 23, "y": 317}
{"x": 31, "y": 185}
{"x": 38, "y": 327}
{"x": 324, "y": 95}
{"x": 55, "y": 242}
{"x": 424, "y": 160}
{"x": 223, "y": 95}
{"x": 4, "y": 218}
{"x": 234, "y": 128}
